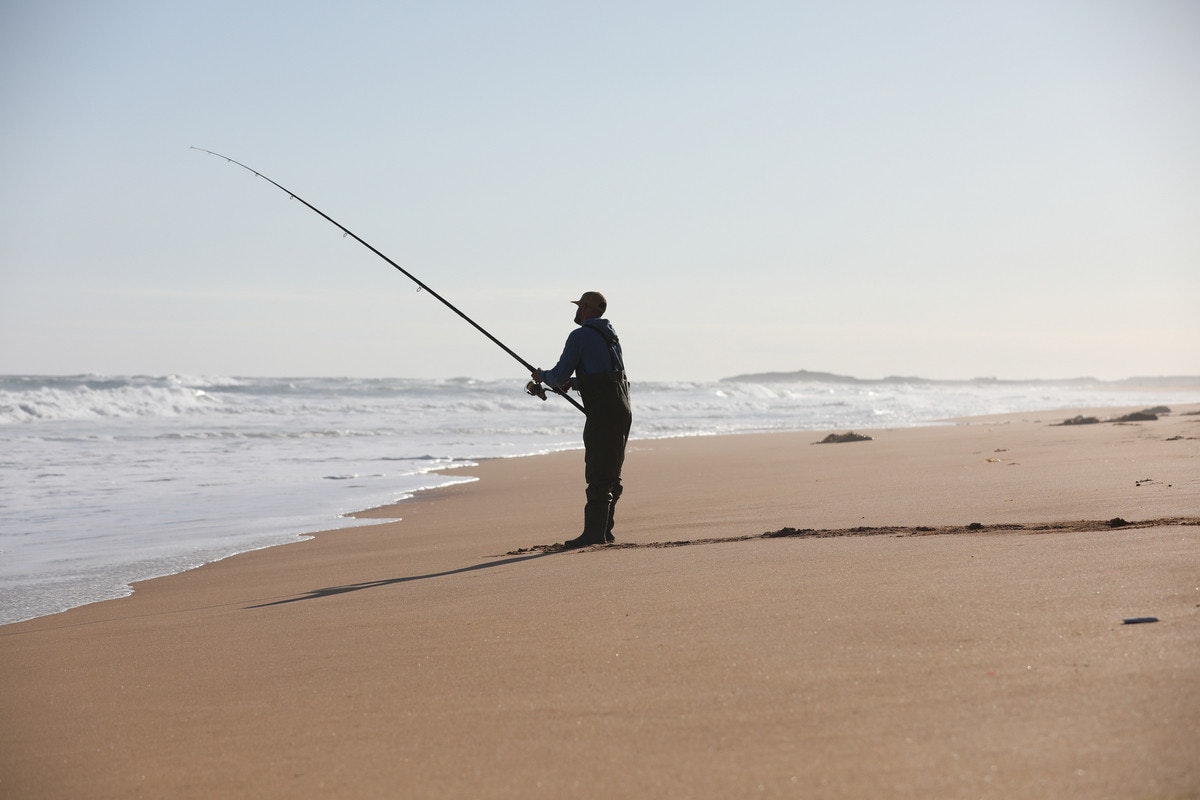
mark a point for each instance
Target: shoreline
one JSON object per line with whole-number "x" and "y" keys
{"x": 1050, "y": 418}
{"x": 379, "y": 513}
{"x": 430, "y": 656}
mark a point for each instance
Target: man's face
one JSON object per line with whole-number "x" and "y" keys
{"x": 584, "y": 313}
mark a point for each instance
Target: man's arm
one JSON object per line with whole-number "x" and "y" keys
{"x": 559, "y": 376}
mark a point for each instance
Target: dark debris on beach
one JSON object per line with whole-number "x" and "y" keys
{"x": 839, "y": 438}
{"x": 1071, "y": 526}
{"x": 1146, "y": 415}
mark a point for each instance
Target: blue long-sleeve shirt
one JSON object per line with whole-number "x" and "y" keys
{"x": 585, "y": 353}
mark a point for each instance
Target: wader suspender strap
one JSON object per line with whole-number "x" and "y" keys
{"x": 614, "y": 360}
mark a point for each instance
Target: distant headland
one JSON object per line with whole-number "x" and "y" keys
{"x": 809, "y": 376}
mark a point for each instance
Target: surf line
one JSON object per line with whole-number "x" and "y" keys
{"x": 420, "y": 284}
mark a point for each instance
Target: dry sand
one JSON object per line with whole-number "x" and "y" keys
{"x": 439, "y": 656}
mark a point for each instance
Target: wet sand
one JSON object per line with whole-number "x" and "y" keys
{"x": 943, "y": 616}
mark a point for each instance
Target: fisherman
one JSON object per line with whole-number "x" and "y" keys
{"x": 593, "y": 354}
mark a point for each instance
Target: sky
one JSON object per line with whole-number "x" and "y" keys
{"x": 942, "y": 189}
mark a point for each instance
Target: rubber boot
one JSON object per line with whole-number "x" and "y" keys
{"x": 612, "y": 511}
{"x": 597, "y": 514}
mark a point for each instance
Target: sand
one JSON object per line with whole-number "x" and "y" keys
{"x": 886, "y": 649}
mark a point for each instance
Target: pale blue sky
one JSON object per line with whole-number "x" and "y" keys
{"x": 946, "y": 189}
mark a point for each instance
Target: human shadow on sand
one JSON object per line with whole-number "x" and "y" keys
{"x": 317, "y": 594}
{"x": 541, "y": 551}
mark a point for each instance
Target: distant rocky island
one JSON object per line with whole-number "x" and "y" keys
{"x": 808, "y": 376}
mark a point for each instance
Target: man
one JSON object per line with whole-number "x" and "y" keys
{"x": 593, "y": 355}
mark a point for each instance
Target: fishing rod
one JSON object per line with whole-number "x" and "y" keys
{"x": 532, "y": 388}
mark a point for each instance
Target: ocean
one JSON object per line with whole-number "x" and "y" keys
{"x": 106, "y": 480}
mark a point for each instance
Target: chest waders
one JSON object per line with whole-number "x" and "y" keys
{"x": 605, "y": 434}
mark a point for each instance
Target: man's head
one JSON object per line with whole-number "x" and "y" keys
{"x": 591, "y": 305}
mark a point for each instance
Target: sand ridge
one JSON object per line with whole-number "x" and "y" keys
{"x": 892, "y": 530}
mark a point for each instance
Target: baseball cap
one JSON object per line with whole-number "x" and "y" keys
{"x": 592, "y": 300}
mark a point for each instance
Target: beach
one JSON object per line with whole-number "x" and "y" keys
{"x": 942, "y": 613}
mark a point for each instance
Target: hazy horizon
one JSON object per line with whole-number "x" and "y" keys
{"x": 1163, "y": 381}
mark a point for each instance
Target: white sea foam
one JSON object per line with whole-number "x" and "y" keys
{"x": 109, "y": 480}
